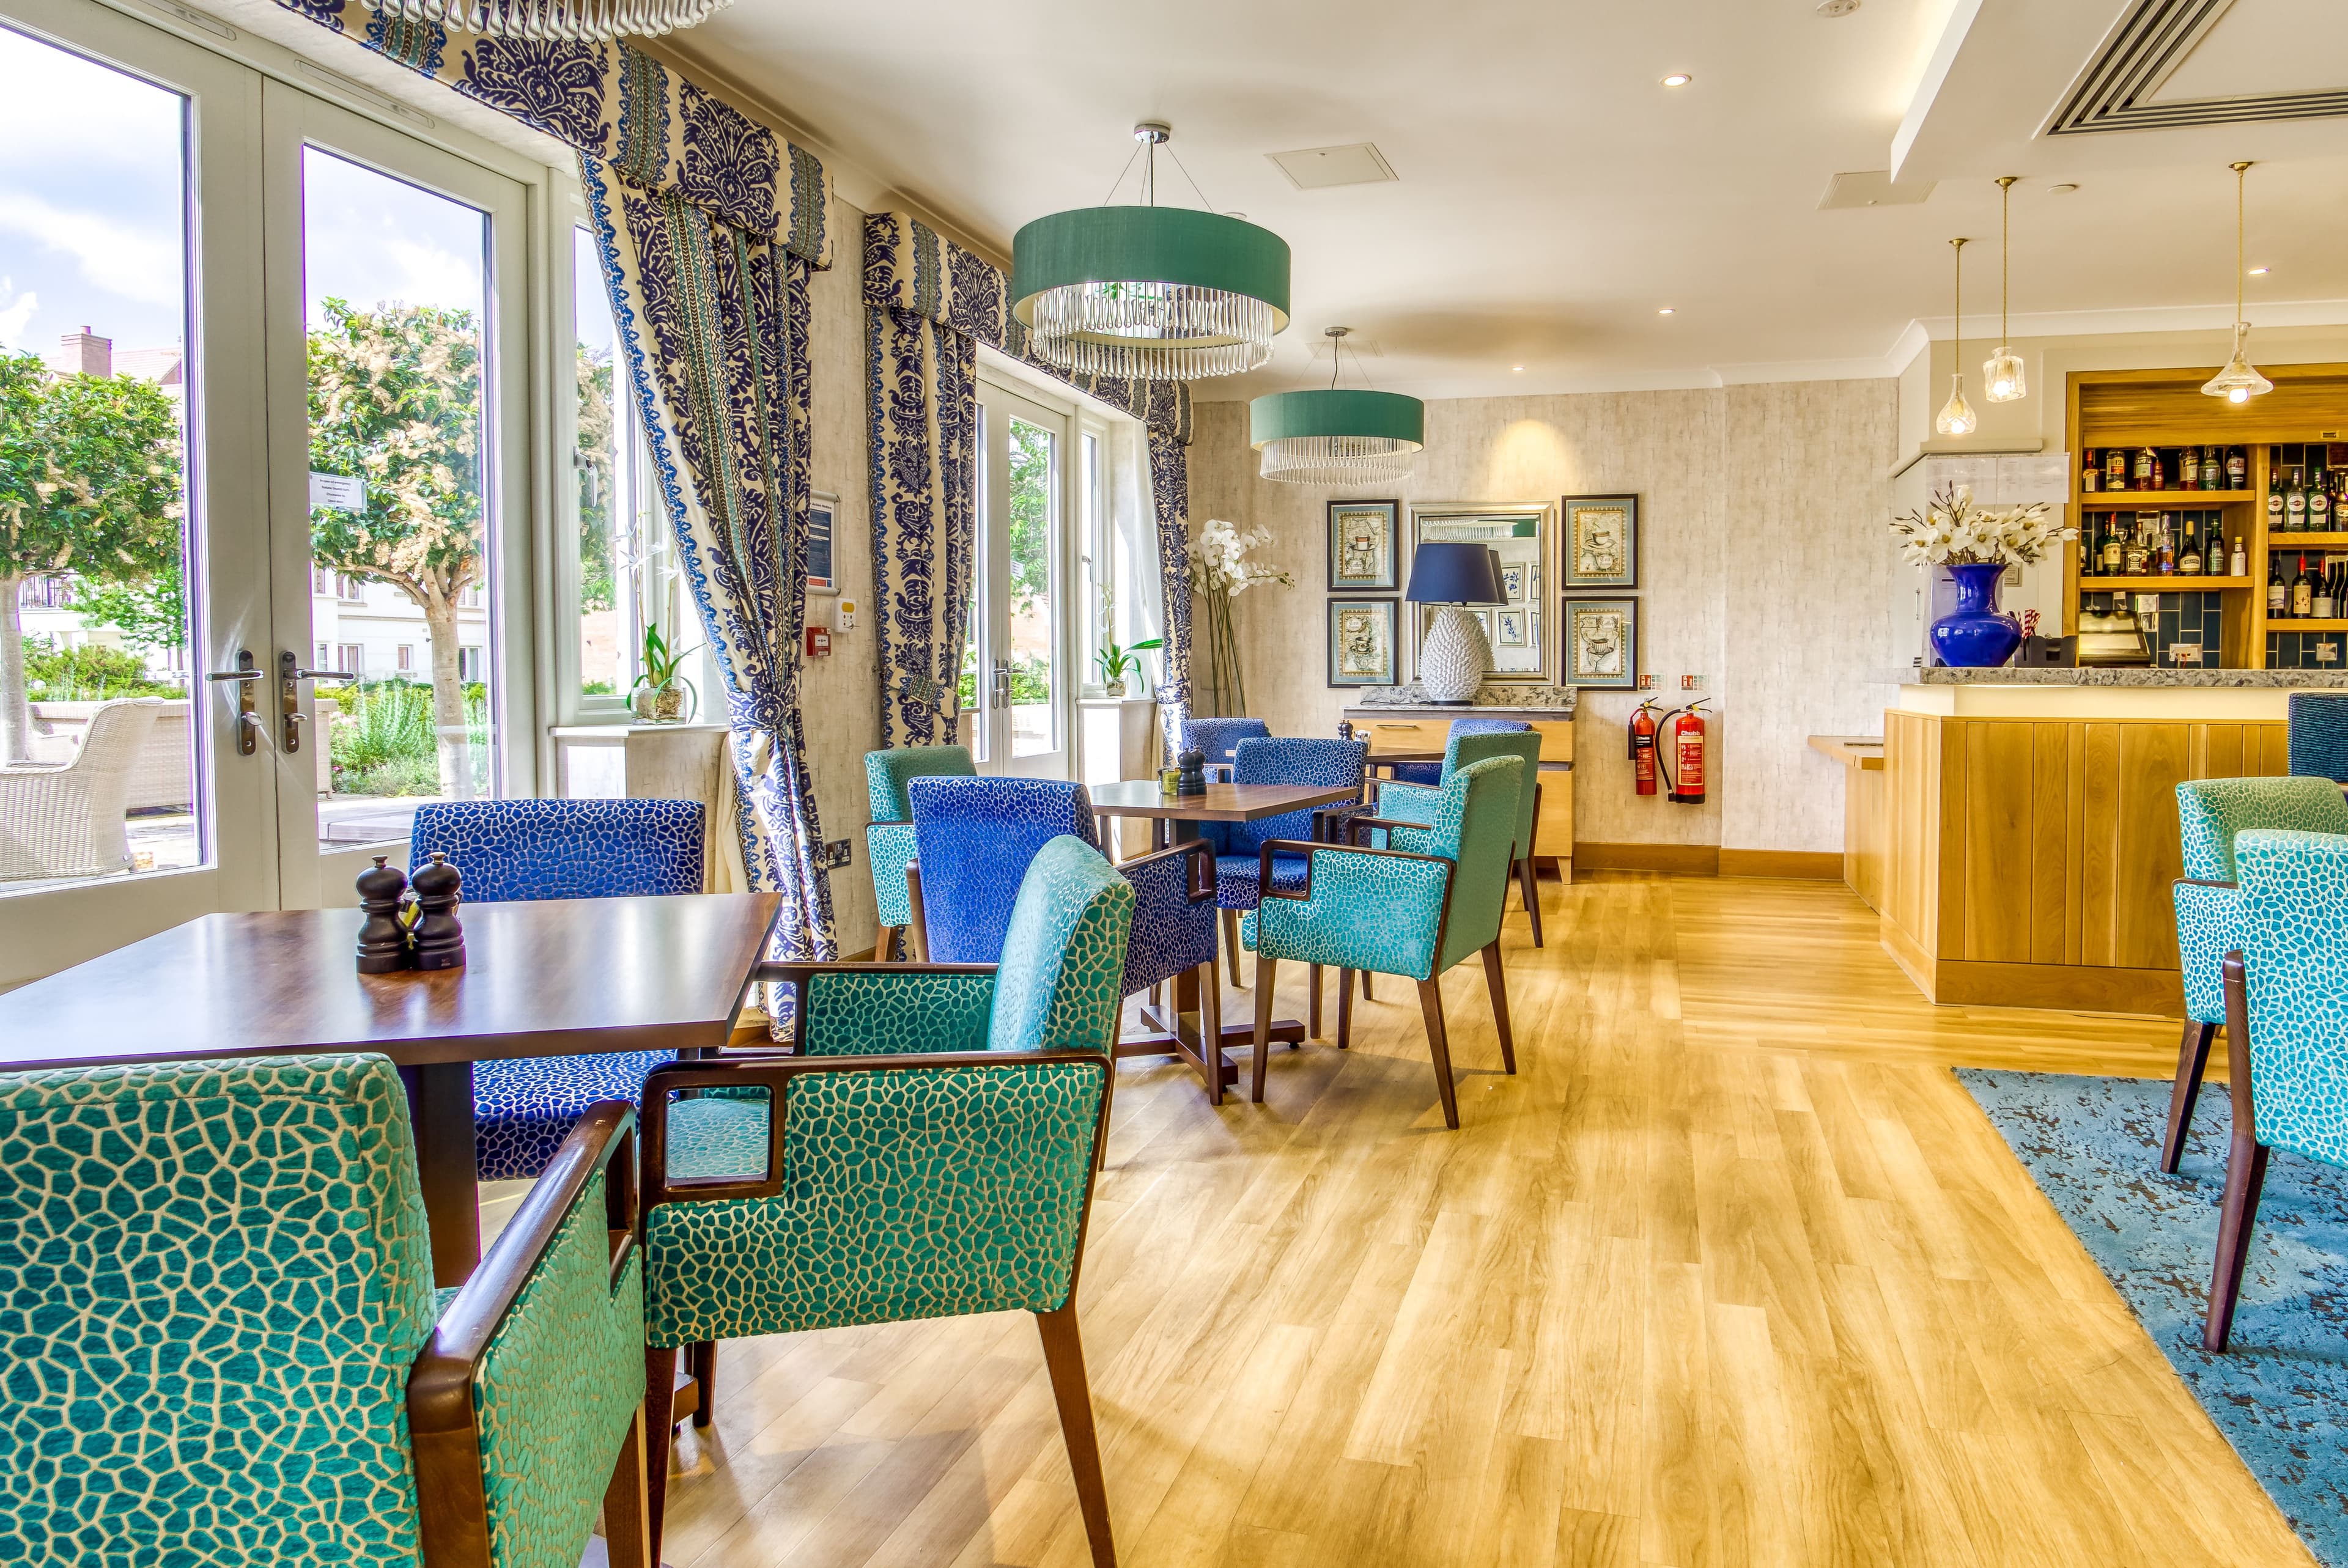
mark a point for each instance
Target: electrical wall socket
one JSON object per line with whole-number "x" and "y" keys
{"x": 1691, "y": 683}
{"x": 838, "y": 853}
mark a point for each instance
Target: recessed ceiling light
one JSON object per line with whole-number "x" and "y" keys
{"x": 1518, "y": 368}
{"x": 2064, "y": 189}
{"x": 1678, "y": 79}
{"x": 1837, "y": 7}
{"x": 1665, "y": 311}
{"x": 2259, "y": 271}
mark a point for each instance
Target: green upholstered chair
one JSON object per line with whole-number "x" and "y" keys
{"x": 2210, "y": 812}
{"x": 225, "y": 1348}
{"x": 1403, "y": 802}
{"x": 889, "y": 841}
{"x": 1399, "y": 912}
{"x": 933, "y": 1156}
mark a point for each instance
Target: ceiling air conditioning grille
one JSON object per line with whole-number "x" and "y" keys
{"x": 2113, "y": 92}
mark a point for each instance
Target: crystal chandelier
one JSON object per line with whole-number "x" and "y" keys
{"x": 1149, "y": 292}
{"x": 1328, "y": 437}
{"x": 580, "y": 21}
{"x": 2001, "y": 372}
{"x": 2239, "y": 381}
{"x": 1956, "y": 415}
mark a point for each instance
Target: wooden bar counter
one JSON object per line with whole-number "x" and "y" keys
{"x": 2029, "y": 825}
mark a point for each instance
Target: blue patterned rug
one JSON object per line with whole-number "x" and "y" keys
{"x": 2280, "y": 1394}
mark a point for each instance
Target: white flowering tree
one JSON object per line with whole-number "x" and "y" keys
{"x": 1220, "y": 572}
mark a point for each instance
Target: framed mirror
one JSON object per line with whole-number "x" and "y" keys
{"x": 1519, "y": 533}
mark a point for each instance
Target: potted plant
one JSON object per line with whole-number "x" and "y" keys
{"x": 659, "y": 695}
{"x": 1116, "y": 664}
{"x": 1976, "y": 544}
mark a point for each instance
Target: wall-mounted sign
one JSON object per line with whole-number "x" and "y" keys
{"x": 337, "y": 492}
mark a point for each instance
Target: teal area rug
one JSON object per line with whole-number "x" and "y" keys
{"x": 2280, "y": 1394}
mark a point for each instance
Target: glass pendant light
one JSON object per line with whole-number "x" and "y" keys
{"x": 2001, "y": 372}
{"x": 1149, "y": 292}
{"x": 1329, "y": 436}
{"x": 1956, "y": 415}
{"x": 577, "y": 21}
{"x": 2239, "y": 381}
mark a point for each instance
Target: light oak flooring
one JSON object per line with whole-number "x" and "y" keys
{"x": 1732, "y": 1272}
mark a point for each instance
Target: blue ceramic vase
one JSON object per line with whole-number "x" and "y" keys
{"x": 1974, "y": 636}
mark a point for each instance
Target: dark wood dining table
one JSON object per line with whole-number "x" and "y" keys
{"x": 1180, "y": 818}
{"x": 560, "y": 977}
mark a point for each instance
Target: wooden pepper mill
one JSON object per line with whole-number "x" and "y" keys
{"x": 383, "y": 940}
{"x": 439, "y": 939}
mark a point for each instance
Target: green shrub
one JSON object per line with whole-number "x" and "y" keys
{"x": 87, "y": 673}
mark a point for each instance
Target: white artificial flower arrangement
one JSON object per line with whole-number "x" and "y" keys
{"x": 1219, "y": 563}
{"x": 1954, "y": 532}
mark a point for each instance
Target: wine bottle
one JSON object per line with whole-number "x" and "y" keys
{"x": 2278, "y": 591}
{"x": 2189, "y": 561}
{"x": 2326, "y": 603}
{"x": 2238, "y": 563}
{"x": 2237, "y": 468}
{"x": 2319, "y": 493}
{"x": 2303, "y": 593}
{"x": 2294, "y": 502}
{"x": 2274, "y": 490}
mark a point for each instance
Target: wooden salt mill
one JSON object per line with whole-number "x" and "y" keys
{"x": 439, "y": 939}
{"x": 383, "y": 940}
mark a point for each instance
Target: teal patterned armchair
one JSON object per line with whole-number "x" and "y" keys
{"x": 889, "y": 840}
{"x": 934, "y": 1155}
{"x": 2209, "y": 814}
{"x": 225, "y": 1348}
{"x": 2286, "y": 988}
{"x": 1401, "y": 801}
{"x": 1398, "y": 912}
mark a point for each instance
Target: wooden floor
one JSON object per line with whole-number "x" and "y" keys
{"x": 1733, "y": 1273}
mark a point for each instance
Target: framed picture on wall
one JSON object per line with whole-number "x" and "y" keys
{"x": 823, "y": 512}
{"x": 1600, "y": 545}
{"x": 1364, "y": 537}
{"x": 1602, "y": 644}
{"x": 1512, "y": 581}
{"x": 1361, "y": 643}
{"x": 1508, "y": 629}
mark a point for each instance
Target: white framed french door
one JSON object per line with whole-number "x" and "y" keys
{"x": 1021, "y": 621}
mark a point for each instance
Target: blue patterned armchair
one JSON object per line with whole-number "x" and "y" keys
{"x": 889, "y": 841}
{"x": 2211, "y": 813}
{"x": 972, "y": 840}
{"x": 1401, "y": 801}
{"x": 934, "y": 1155}
{"x": 1174, "y": 934}
{"x": 514, "y": 851}
{"x": 1218, "y": 739}
{"x": 225, "y": 1345}
{"x": 2286, "y": 990}
{"x": 1288, "y": 760}
{"x": 1397, "y": 912}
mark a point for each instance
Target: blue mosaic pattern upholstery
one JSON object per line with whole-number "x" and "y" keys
{"x": 2210, "y": 812}
{"x": 889, "y": 848}
{"x": 886, "y": 775}
{"x": 2209, "y": 927}
{"x": 2318, "y": 734}
{"x": 1170, "y": 934}
{"x": 1432, "y": 775}
{"x": 518, "y": 851}
{"x": 1218, "y": 739}
{"x": 2295, "y": 953}
{"x": 214, "y": 1278}
{"x": 855, "y": 1012}
{"x": 1246, "y": 871}
{"x": 1429, "y": 775}
{"x": 1292, "y": 760}
{"x": 975, "y": 838}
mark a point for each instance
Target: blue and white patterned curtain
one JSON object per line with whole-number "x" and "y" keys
{"x": 928, "y": 304}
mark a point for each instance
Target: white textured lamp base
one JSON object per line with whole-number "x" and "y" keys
{"x": 1454, "y": 658}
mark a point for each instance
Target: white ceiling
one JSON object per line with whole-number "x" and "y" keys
{"x": 1553, "y": 196}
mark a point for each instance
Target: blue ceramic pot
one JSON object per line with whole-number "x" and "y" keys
{"x": 1974, "y": 636}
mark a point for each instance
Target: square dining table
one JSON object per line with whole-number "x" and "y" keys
{"x": 557, "y": 977}
{"x": 1181, "y": 817}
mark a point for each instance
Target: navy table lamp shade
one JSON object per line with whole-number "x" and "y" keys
{"x": 1455, "y": 573}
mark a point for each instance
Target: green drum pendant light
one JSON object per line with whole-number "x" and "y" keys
{"x": 1329, "y": 436}
{"x": 1149, "y": 292}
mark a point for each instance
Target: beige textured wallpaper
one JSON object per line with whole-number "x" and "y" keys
{"x": 1762, "y": 569}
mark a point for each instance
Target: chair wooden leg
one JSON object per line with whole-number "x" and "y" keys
{"x": 1344, "y": 1008}
{"x": 1265, "y": 966}
{"x": 627, "y": 1517}
{"x": 1231, "y": 948}
{"x": 701, "y": 1360}
{"x": 1530, "y": 881}
{"x": 1499, "y": 985}
{"x": 1312, "y": 1004}
{"x": 1211, "y": 1029}
{"x": 1064, "y": 1356}
{"x": 660, "y": 1400}
{"x": 2192, "y": 1060}
{"x": 1366, "y": 986}
{"x": 2246, "y": 1177}
{"x": 920, "y": 944}
{"x": 884, "y": 944}
{"x": 1439, "y": 1045}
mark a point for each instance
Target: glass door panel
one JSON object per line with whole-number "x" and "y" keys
{"x": 1020, "y": 670}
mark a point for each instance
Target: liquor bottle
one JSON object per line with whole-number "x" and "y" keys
{"x": 2237, "y": 468}
{"x": 2278, "y": 591}
{"x": 2326, "y": 601}
{"x": 2294, "y": 502}
{"x": 2164, "y": 552}
{"x": 2238, "y": 563}
{"x": 2091, "y": 473}
{"x": 2274, "y": 490}
{"x": 2213, "y": 470}
{"x": 2189, "y": 561}
{"x": 2148, "y": 464}
{"x": 2303, "y": 593}
{"x": 2110, "y": 566}
{"x": 2115, "y": 469}
{"x": 2159, "y": 477}
{"x": 2189, "y": 469}
{"x": 2319, "y": 493}
{"x": 2137, "y": 556}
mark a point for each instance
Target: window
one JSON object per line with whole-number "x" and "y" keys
{"x": 405, "y": 662}
{"x": 318, "y": 657}
{"x": 351, "y": 659}
{"x": 349, "y": 589}
{"x": 472, "y": 665}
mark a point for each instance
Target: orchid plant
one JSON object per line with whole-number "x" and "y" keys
{"x": 1220, "y": 572}
{"x": 1952, "y": 531}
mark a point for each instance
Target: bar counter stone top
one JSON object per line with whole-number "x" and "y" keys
{"x": 2270, "y": 680}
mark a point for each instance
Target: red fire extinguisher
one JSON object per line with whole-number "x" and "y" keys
{"x": 1643, "y": 748}
{"x": 1685, "y": 772}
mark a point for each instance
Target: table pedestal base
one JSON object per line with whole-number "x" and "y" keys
{"x": 1177, "y": 1034}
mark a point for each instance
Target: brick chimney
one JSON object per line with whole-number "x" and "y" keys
{"x": 84, "y": 353}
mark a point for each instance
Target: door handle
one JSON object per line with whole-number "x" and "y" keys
{"x": 289, "y": 695}
{"x": 248, "y": 677}
{"x": 1002, "y": 683}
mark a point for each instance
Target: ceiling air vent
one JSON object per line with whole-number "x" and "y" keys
{"x": 1319, "y": 168}
{"x": 1871, "y": 188}
{"x": 2115, "y": 90}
